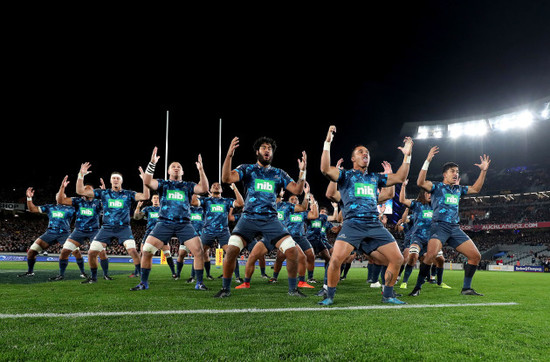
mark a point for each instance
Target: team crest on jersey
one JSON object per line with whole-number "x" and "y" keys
{"x": 264, "y": 185}
{"x": 364, "y": 190}
{"x": 175, "y": 195}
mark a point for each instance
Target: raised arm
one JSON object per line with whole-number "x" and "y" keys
{"x": 330, "y": 172}
{"x": 145, "y": 194}
{"x": 80, "y": 189}
{"x": 334, "y": 216}
{"x": 30, "y": 205}
{"x": 230, "y": 176}
{"x": 386, "y": 193}
{"x": 148, "y": 179}
{"x": 483, "y": 166}
{"x": 403, "y": 171}
{"x": 138, "y": 215}
{"x": 314, "y": 212}
{"x": 403, "y": 196}
{"x": 421, "y": 181}
{"x": 305, "y": 203}
{"x": 298, "y": 187}
{"x": 61, "y": 197}
{"x": 202, "y": 187}
{"x": 239, "y": 201}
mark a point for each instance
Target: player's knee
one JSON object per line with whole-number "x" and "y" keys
{"x": 35, "y": 247}
{"x": 129, "y": 244}
{"x": 149, "y": 248}
{"x": 235, "y": 242}
{"x": 287, "y": 244}
{"x": 475, "y": 257}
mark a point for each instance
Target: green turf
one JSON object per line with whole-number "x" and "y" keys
{"x": 516, "y": 332}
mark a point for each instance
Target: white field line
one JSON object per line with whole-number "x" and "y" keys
{"x": 248, "y": 310}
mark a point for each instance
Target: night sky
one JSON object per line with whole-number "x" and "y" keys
{"x": 100, "y": 93}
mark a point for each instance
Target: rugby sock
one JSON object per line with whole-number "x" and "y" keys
{"x": 301, "y": 278}
{"x": 30, "y": 264}
{"x": 469, "y": 271}
{"x": 388, "y": 292}
{"x": 94, "y": 273}
{"x": 199, "y": 273}
{"x": 330, "y": 292}
{"x": 138, "y": 268}
{"x": 179, "y": 267}
{"x": 422, "y": 274}
{"x": 433, "y": 270}
{"x": 408, "y": 272}
{"x": 80, "y": 263}
{"x": 439, "y": 272}
{"x": 376, "y": 272}
{"x": 310, "y": 274}
{"x": 104, "y": 266}
{"x": 383, "y": 274}
{"x": 145, "y": 275}
{"x": 207, "y": 268}
{"x": 292, "y": 284}
{"x": 226, "y": 283}
{"x": 370, "y": 266}
{"x": 326, "y": 275}
{"x": 262, "y": 270}
{"x": 237, "y": 271}
{"x": 170, "y": 262}
{"x": 401, "y": 269}
{"x": 346, "y": 269}
{"x": 62, "y": 266}
{"x": 193, "y": 270}
{"x": 275, "y": 275}
{"x": 247, "y": 280}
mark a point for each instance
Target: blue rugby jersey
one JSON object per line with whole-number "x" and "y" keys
{"x": 216, "y": 210}
{"x": 175, "y": 198}
{"x": 359, "y": 193}
{"x": 293, "y": 221}
{"x": 87, "y": 213}
{"x": 445, "y": 200}
{"x": 116, "y": 206}
{"x": 59, "y": 216}
{"x": 261, "y": 185}
{"x": 422, "y": 215}
{"x": 196, "y": 214}
{"x": 316, "y": 229}
{"x": 152, "y": 215}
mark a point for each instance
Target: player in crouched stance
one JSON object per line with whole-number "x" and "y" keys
{"x": 361, "y": 228}
{"x": 174, "y": 217}
{"x": 445, "y": 228}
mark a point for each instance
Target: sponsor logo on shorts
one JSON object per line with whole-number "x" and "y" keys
{"x": 364, "y": 190}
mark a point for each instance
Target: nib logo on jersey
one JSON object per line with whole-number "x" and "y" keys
{"x": 451, "y": 199}
{"x": 264, "y": 185}
{"x": 115, "y": 203}
{"x": 427, "y": 214}
{"x": 364, "y": 190}
{"x": 296, "y": 218}
{"x": 86, "y": 211}
{"x": 175, "y": 195}
{"x": 217, "y": 208}
{"x": 58, "y": 214}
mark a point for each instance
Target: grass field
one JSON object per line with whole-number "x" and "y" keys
{"x": 453, "y": 330}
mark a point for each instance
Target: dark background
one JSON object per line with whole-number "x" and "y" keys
{"x": 97, "y": 88}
